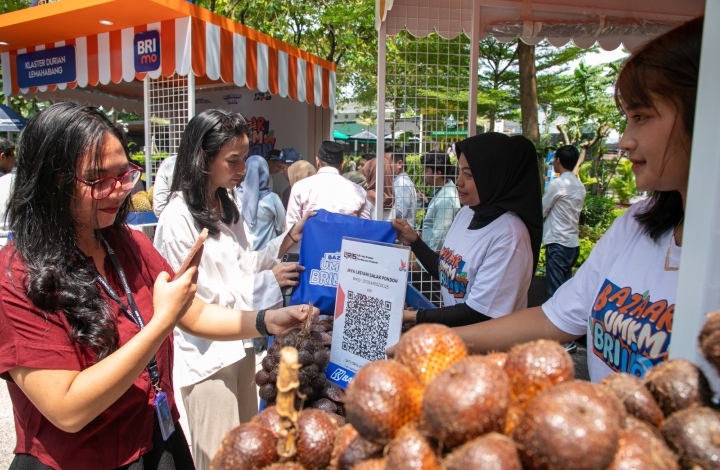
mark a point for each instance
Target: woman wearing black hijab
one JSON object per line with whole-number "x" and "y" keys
{"x": 490, "y": 253}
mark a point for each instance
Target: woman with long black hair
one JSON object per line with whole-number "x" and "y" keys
{"x": 487, "y": 260}
{"x": 623, "y": 296}
{"x": 87, "y": 307}
{"x": 217, "y": 378}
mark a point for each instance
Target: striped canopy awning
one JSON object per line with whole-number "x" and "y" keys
{"x": 201, "y": 42}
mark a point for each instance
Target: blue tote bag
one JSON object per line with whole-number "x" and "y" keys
{"x": 320, "y": 254}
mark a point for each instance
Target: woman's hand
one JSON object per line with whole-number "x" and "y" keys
{"x": 405, "y": 233}
{"x": 171, "y": 299}
{"x": 297, "y": 229}
{"x": 409, "y": 316}
{"x": 287, "y": 274}
{"x": 282, "y": 320}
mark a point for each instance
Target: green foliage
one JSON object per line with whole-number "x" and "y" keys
{"x": 540, "y": 270}
{"x": 584, "y": 174}
{"x": 138, "y": 158}
{"x": 623, "y": 183}
{"x": 586, "y": 247}
{"x": 592, "y": 233}
{"x": 341, "y": 32}
{"x": 597, "y": 211}
{"x": 617, "y": 213}
{"x": 419, "y": 216}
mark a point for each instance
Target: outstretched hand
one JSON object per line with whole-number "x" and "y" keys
{"x": 282, "y": 320}
{"x": 405, "y": 233}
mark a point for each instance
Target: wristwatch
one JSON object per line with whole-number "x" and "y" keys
{"x": 260, "y": 323}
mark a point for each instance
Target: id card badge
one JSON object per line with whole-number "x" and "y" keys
{"x": 164, "y": 417}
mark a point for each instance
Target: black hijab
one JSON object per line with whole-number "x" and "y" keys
{"x": 507, "y": 178}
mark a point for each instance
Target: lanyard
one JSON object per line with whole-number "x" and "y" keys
{"x": 132, "y": 312}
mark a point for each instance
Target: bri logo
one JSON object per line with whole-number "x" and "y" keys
{"x": 340, "y": 376}
{"x": 327, "y": 275}
{"x": 147, "y": 51}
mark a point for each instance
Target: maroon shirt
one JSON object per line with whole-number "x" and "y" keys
{"x": 32, "y": 338}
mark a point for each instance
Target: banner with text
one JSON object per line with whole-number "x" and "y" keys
{"x": 47, "y": 67}
{"x": 372, "y": 279}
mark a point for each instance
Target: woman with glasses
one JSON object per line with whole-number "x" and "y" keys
{"x": 217, "y": 379}
{"x": 87, "y": 307}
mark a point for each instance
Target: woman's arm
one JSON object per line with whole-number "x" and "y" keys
{"x": 502, "y": 333}
{"x": 427, "y": 257}
{"x": 294, "y": 235}
{"x": 71, "y": 399}
{"x": 452, "y": 315}
{"x": 219, "y": 323}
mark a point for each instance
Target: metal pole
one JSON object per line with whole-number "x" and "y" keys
{"x": 191, "y": 95}
{"x": 474, "y": 57}
{"x": 380, "y": 160}
{"x": 148, "y": 132}
{"x": 699, "y": 277}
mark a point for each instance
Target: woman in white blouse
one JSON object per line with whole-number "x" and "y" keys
{"x": 217, "y": 378}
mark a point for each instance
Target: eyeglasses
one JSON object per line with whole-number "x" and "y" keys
{"x": 102, "y": 188}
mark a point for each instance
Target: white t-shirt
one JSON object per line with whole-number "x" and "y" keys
{"x": 163, "y": 181}
{"x": 623, "y": 298}
{"x": 490, "y": 268}
{"x": 562, "y": 203}
{"x": 230, "y": 275}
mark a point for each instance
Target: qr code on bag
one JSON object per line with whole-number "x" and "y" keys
{"x": 367, "y": 321}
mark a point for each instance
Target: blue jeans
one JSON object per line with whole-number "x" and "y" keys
{"x": 559, "y": 261}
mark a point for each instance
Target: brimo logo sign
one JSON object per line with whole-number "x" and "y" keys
{"x": 147, "y": 51}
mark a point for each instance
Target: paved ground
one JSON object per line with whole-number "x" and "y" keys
{"x": 7, "y": 427}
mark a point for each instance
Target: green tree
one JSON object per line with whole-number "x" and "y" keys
{"x": 623, "y": 183}
{"x": 342, "y": 32}
{"x": 586, "y": 100}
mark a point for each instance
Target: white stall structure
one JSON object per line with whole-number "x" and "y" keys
{"x": 611, "y": 24}
{"x": 166, "y": 60}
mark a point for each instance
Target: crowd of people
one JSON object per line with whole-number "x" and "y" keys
{"x": 96, "y": 331}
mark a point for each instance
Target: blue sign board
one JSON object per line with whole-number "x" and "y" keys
{"x": 146, "y": 50}
{"x": 46, "y": 67}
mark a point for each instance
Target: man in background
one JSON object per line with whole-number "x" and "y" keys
{"x": 404, "y": 188}
{"x": 7, "y": 156}
{"x": 562, "y": 204}
{"x": 327, "y": 189}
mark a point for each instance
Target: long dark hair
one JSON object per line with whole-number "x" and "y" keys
{"x": 669, "y": 67}
{"x": 48, "y": 153}
{"x": 204, "y": 136}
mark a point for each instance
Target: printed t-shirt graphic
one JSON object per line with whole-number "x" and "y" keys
{"x": 490, "y": 269}
{"x": 622, "y": 298}
{"x": 452, "y": 276}
{"x": 630, "y": 331}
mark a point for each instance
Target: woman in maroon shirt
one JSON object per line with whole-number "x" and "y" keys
{"x": 86, "y": 304}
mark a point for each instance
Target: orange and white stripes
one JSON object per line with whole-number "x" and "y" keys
{"x": 252, "y": 60}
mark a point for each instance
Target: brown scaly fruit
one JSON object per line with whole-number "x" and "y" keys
{"x": 316, "y": 432}
{"x": 372, "y": 464}
{"x": 678, "y": 384}
{"x": 247, "y": 447}
{"x": 428, "y": 349}
{"x": 344, "y": 435}
{"x": 139, "y": 202}
{"x": 641, "y": 447}
{"x": 466, "y": 400}
{"x": 492, "y": 450}
{"x": 531, "y": 368}
{"x": 575, "y": 425}
{"x": 285, "y": 466}
{"x": 269, "y": 419}
{"x": 151, "y": 194}
{"x": 411, "y": 451}
{"x": 499, "y": 358}
{"x": 694, "y": 435}
{"x": 637, "y": 399}
{"x": 383, "y": 397}
{"x": 358, "y": 451}
{"x": 710, "y": 340}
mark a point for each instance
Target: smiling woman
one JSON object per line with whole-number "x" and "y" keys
{"x": 217, "y": 379}
{"x": 87, "y": 307}
{"x": 623, "y": 296}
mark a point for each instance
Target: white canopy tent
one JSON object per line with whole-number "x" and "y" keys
{"x": 610, "y": 23}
